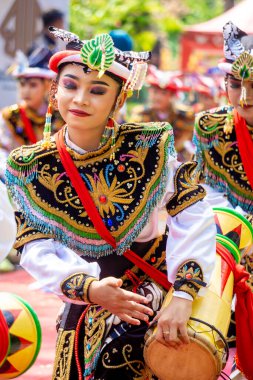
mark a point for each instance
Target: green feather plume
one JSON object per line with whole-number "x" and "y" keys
{"x": 98, "y": 53}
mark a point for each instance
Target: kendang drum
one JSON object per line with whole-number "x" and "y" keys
{"x": 206, "y": 354}
{"x": 20, "y": 334}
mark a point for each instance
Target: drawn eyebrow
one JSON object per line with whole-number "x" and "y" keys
{"x": 100, "y": 82}
{"x": 93, "y": 82}
{"x": 234, "y": 79}
{"x": 71, "y": 76}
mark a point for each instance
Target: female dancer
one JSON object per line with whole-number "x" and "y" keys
{"x": 223, "y": 137}
{"x": 89, "y": 202}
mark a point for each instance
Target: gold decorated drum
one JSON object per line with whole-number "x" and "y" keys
{"x": 21, "y": 333}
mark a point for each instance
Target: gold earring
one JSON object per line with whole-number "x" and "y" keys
{"x": 229, "y": 121}
{"x": 243, "y": 97}
{"x": 111, "y": 127}
{"x": 46, "y": 143}
{"x": 109, "y": 131}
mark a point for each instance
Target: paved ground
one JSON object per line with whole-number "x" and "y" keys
{"x": 46, "y": 306}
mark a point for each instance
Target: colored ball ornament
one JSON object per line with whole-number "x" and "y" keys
{"x": 102, "y": 199}
{"x": 110, "y": 222}
{"x": 20, "y": 334}
{"x": 121, "y": 168}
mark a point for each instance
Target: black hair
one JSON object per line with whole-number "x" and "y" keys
{"x": 49, "y": 17}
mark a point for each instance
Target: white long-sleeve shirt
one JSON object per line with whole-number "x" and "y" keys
{"x": 219, "y": 199}
{"x": 8, "y": 227}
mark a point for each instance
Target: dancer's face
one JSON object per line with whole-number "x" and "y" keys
{"x": 84, "y": 100}
{"x": 234, "y": 94}
{"x": 33, "y": 91}
{"x": 160, "y": 99}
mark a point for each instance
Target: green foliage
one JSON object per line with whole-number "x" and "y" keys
{"x": 200, "y": 11}
{"x": 144, "y": 23}
{"x": 144, "y": 20}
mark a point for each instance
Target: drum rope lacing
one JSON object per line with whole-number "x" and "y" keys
{"x": 224, "y": 376}
{"x": 212, "y": 329}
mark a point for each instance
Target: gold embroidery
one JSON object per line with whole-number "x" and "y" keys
{"x": 95, "y": 324}
{"x": 186, "y": 192}
{"x": 189, "y": 278}
{"x": 86, "y": 287}
{"x": 64, "y": 352}
{"x": 25, "y": 233}
{"x": 222, "y": 162}
{"x": 242, "y": 67}
{"x": 132, "y": 364}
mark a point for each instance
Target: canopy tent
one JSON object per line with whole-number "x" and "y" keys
{"x": 202, "y": 44}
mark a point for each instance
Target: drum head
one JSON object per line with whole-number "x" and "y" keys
{"x": 24, "y": 335}
{"x": 193, "y": 361}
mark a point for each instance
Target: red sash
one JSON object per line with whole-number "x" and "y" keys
{"x": 245, "y": 145}
{"x": 243, "y": 314}
{"x": 27, "y": 126}
{"x": 95, "y": 217}
{"x": 4, "y": 346}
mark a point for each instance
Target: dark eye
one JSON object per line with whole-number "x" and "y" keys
{"x": 33, "y": 84}
{"x": 98, "y": 90}
{"x": 69, "y": 84}
{"x": 235, "y": 84}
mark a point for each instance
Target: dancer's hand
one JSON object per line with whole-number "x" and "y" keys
{"x": 128, "y": 306}
{"x": 172, "y": 322}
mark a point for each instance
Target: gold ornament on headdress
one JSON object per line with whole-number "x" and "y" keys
{"x": 136, "y": 77}
{"x": 242, "y": 69}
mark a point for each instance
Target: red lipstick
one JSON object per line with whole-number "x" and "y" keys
{"x": 79, "y": 113}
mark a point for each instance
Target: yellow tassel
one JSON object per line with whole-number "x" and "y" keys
{"x": 229, "y": 123}
{"x": 243, "y": 97}
{"x": 46, "y": 144}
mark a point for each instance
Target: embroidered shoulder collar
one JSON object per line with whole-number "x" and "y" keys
{"x": 125, "y": 190}
{"x": 218, "y": 157}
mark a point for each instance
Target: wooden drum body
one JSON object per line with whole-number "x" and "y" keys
{"x": 206, "y": 354}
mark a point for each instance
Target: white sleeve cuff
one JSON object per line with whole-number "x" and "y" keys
{"x": 180, "y": 294}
